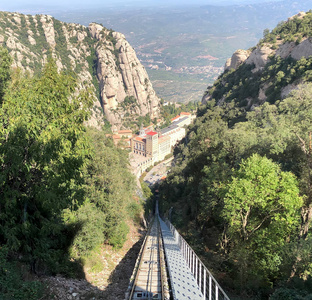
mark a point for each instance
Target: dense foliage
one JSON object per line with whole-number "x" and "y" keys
{"x": 109, "y": 198}
{"x": 242, "y": 86}
{"x": 43, "y": 148}
{"x": 65, "y": 189}
{"x": 249, "y": 182}
{"x": 293, "y": 30}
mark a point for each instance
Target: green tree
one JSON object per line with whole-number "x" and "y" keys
{"x": 42, "y": 152}
{"x": 261, "y": 208}
{"x": 5, "y": 65}
{"x": 296, "y": 116}
{"x": 109, "y": 190}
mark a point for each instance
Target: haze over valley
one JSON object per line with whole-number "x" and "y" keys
{"x": 183, "y": 45}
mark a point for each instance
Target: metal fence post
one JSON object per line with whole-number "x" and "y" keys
{"x": 205, "y": 281}
{"x": 210, "y": 288}
{"x": 200, "y": 276}
{"x": 198, "y": 269}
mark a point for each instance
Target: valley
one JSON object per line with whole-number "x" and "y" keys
{"x": 184, "y": 47}
{"x": 230, "y": 169}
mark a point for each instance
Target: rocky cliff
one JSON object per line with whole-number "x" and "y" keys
{"x": 238, "y": 57}
{"x": 270, "y": 70}
{"x": 102, "y": 59}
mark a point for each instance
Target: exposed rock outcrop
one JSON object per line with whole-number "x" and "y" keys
{"x": 270, "y": 70}
{"x": 304, "y": 49}
{"x": 259, "y": 57}
{"x": 120, "y": 75}
{"x": 238, "y": 57}
{"x": 102, "y": 59}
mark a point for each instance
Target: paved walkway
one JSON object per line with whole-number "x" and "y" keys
{"x": 183, "y": 283}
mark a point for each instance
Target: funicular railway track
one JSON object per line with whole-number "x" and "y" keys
{"x": 149, "y": 278}
{"x": 162, "y": 251}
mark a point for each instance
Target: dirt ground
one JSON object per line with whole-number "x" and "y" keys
{"x": 107, "y": 279}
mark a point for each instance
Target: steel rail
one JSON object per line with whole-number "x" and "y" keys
{"x": 165, "y": 293}
{"x": 150, "y": 275}
{"x": 160, "y": 262}
{"x": 139, "y": 262}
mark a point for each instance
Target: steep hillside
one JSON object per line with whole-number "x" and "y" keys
{"x": 241, "y": 187}
{"x": 269, "y": 71}
{"x": 102, "y": 59}
{"x": 66, "y": 191}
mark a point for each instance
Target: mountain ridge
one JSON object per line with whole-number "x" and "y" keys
{"x": 103, "y": 60}
{"x": 277, "y": 60}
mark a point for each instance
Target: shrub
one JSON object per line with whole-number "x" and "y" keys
{"x": 118, "y": 235}
{"x": 89, "y": 224}
{"x": 285, "y": 294}
{"x": 12, "y": 285}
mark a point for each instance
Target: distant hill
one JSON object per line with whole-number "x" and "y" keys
{"x": 102, "y": 59}
{"x": 269, "y": 71}
{"x": 227, "y": 189}
{"x": 184, "y": 47}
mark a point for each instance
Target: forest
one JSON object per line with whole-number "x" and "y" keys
{"x": 241, "y": 194}
{"x": 65, "y": 188}
{"x": 240, "y": 191}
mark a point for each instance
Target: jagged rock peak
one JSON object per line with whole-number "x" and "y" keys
{"x": 121, "y": 75}
{"x": 238, "y": 57}
{"x": 102, "y": 59}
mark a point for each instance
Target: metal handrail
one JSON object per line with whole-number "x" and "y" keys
{"x": 208, "y": 285}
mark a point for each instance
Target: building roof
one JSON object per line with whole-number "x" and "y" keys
{"x": 181, "y": 120}
{"x": 152, "y": 133}
{"x": 139, "y": 139}
{"x": 169, "y": 128}
{"x": 175, "y": 118}
{"x": 124, "y": 131}
{"x": 185, "y": 113}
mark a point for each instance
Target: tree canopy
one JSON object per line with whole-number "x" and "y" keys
{"x": 65, "y": 189}
{"x": 261, "y": 210}
{"x": 250, "y": 181}
{"x": 42, "y": 153}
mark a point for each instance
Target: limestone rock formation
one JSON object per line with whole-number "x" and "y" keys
{"x": 259, "y": 57}
{"x": 238, "y": 57}
{"x": 304, "y": 49}
{"x": 278, "y": 47}
{"x": 121, "y": 75}
{"x": 103, "y": 60}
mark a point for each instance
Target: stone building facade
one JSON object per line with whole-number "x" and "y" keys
{"x": 151, "y": 146}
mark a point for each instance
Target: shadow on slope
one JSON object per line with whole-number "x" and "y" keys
{"x": 119, "y": 278}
